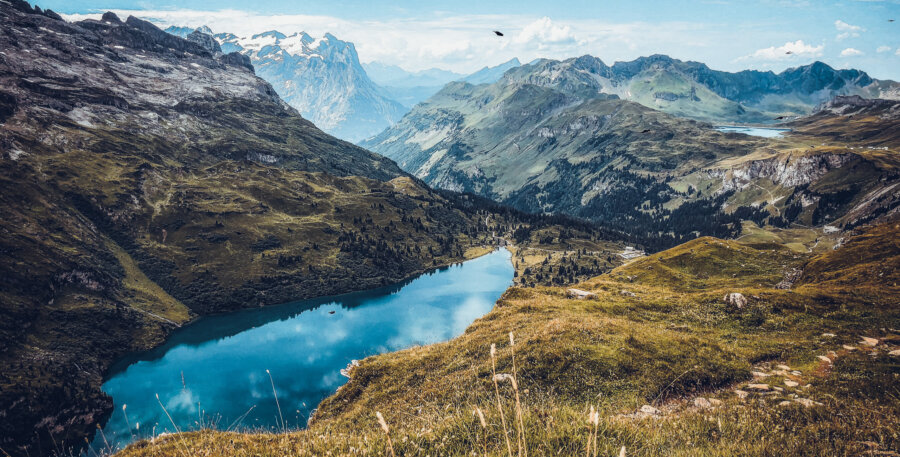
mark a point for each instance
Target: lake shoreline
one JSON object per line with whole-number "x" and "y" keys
{"x": 288, "y": 310}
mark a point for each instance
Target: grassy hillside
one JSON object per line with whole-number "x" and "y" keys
{"x": 671, "y": 367}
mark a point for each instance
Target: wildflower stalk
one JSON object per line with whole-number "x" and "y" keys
{"x": 515, "y": 383}
{"x": 126, "y": 421}
{"x": 180, "y": 438}
{"x": 587, "y": 452}
{"x": 483, "y": 428}
{"x": 499, "y": 404}
{"x": 276, "y": 400}
{"x": 387, "y": 431}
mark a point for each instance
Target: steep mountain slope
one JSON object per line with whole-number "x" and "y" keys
{"x": 322, "y": 78}
{"x": 148, "y": 179}
{"x": 691, "y": 89}
{"x": 547, "y": 140}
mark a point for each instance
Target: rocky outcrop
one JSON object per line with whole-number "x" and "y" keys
{"x": 849, "y": 105}
{"x": 784, "y": 170}
{"x": 736, "y": 299}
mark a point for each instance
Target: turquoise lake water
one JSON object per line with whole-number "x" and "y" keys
{"x": 213, "y": 371}
{"x": 765, "y": 132}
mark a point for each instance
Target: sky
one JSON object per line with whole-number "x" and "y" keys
{"x": 729, "y": 35}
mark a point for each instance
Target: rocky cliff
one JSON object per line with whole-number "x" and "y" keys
{"x": 320, "y": 77}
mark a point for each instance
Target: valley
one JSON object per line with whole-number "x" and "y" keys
{"x": 560, "y": 146}
{"x": 559, "y": 257}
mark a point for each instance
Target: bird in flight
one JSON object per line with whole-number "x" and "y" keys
{"x": 789, "y": 52}
{"x": 890, "y": 20}
{"x": 498, "y": 33}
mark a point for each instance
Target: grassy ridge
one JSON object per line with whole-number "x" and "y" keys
{"x": 658, "y": 333}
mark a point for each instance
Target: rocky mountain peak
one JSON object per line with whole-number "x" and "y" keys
{"x": 320, "y": 77}
{"x": 109, "y": 16}
{"x": 205, "y": 40}
{"x": 270, "y": 34}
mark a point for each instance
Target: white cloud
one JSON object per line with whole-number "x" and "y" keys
{"x": 543, "y": 32}
{"x": 883, "y": 49}
{"x": 847, "y": 30}
{"x": 850, "y": 52}
{"x": 845, "y": 27}
{"x": 788, "y": 50}
{"x": 898, "y": 52}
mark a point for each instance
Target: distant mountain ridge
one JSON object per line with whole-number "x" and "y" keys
{"x": 393, "y": 75}
{"x": 320, "y": 77}
{"x": 488, "y": 75}
{"x": 410, "y": 88}
{"x": 693, "y": 90}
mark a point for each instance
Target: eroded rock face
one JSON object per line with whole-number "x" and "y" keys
{"x": 322, "y": 78}
{"x": 785, "y": 171}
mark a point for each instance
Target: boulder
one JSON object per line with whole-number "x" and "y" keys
{"x": 824, "y": 359}
{"x": 703, "y": 403}
{"x": 579, "y": 294}
{"x": 871, "y": 342}
{"x": 758, "y": 386}
{"x": 647, "y": 409}
{"x": 807, "y": 402}
{"x": 742, "y": 394}
{"x": 736, "y": 299}
{"x": 895, "y": 352}
{"x": 790, "y": 383}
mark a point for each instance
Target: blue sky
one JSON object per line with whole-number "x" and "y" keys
{"x": 726, "y": 34}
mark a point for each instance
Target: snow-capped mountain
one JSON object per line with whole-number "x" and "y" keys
{"x": 320, "y": 77}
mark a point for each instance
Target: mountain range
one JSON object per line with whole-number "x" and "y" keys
{"x": 547, "y": 137}
{"x": 693, "y": 90}
{"x": 410, "y": 88}
{"x": 324, "y": 79}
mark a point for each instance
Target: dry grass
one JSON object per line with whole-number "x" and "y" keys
{"x": 672, "y": 341}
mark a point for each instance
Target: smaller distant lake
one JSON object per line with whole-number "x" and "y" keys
{"x": 765, "y": 132}
{"x": 213, "y": 373}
